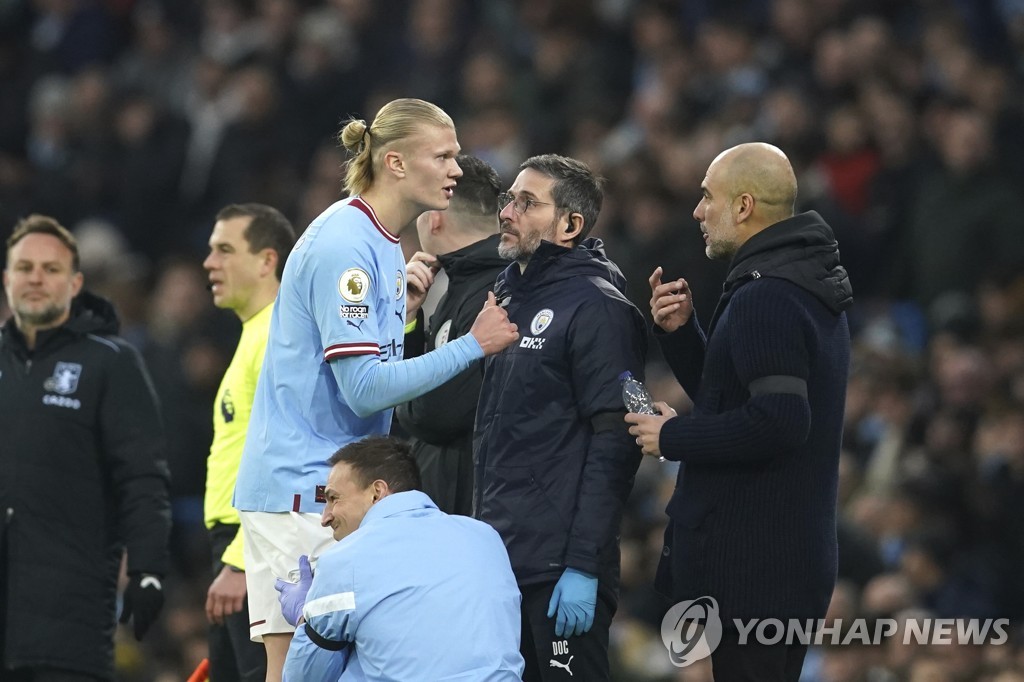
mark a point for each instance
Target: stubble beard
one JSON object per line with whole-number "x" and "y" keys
{"x": 39, "y": 318}
{"x": 721, "y": 250}
{"x": 523, "y": 249}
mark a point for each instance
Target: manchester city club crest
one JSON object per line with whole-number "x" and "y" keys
{"x": 541, "y": 321}
{"x": 65, "y": 378}
{"x": 399, "y": 285}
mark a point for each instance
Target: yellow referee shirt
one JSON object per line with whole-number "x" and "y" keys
{"x": 230, "y": 422}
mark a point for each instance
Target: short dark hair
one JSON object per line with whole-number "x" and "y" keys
{"x": 577, "y": 189}
{"x": 381, "y": 457}
{"x": 478, "y": 188}
{"x": 42, "y": 224}
{"x": 269, "y": 229}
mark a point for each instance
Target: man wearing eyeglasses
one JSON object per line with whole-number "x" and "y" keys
{"x": 552, "y": 468}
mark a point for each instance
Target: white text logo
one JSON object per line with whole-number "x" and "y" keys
{"x": 62, "y": 401}
{"x": 771, "y": 631}
{"x": 532, "y": 343}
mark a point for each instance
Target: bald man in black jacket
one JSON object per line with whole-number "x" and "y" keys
{"x": 752, "y": 522}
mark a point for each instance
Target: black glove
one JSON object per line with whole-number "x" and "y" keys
{"x": 143, "y": 599}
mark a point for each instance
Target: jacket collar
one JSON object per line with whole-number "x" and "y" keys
{"x": 551, "y": 263}
{"x": 477, "y": 257}
{"x": 802, "y": 250}
{"x": 398, "y": 503}
{"x": 45, "y": 338}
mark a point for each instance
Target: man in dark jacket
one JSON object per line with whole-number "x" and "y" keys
{"x": 554, "y": 462}
{"x": 463, "y": 242}
{"x": 81, "y": 469}
{"x": 752, "y": 523}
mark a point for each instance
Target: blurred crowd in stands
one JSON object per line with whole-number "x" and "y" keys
{"x": 134, "y": 121}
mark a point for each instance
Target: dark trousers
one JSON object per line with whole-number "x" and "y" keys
{"x": 753, "y": 662}
{"x": 554, "y": 659}
{"x": 233, "y": 657}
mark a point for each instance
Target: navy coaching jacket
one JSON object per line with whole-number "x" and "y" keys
{"x": 82, "y": 477}
{"x": 554, "y": 461}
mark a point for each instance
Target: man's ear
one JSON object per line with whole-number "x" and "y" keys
{"x": 573, "y": 227}
{"x": 77, "y": 280}
{"x": 394, "y": 163}
{"x": 268, "y": 262}
{"x": 436, "y": 221}
{"x": 380, "y": 490}
{"x": 744, "y": 207}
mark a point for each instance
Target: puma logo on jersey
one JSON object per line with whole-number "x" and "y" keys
{"x": 558, "y": 664}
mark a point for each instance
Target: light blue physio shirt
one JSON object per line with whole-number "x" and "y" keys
{"x": 413, "y": 594}
{"x": 333, "y": 367}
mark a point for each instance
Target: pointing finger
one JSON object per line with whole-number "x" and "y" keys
{"x": 655, "y": 278}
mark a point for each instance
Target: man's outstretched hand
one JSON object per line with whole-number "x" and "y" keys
{"x": 671, "y": 303}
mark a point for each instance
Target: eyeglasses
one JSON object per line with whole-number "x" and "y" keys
{"x": 520, "y": 205}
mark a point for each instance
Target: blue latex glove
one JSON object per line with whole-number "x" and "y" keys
{"x": 293, "y": 595}
{"x": 575, "y": 600}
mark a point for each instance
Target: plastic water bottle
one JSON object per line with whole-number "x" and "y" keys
{"x": 636, "y": 397}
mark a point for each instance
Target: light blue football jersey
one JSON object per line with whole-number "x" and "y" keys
{"x": 342, "y": 294}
